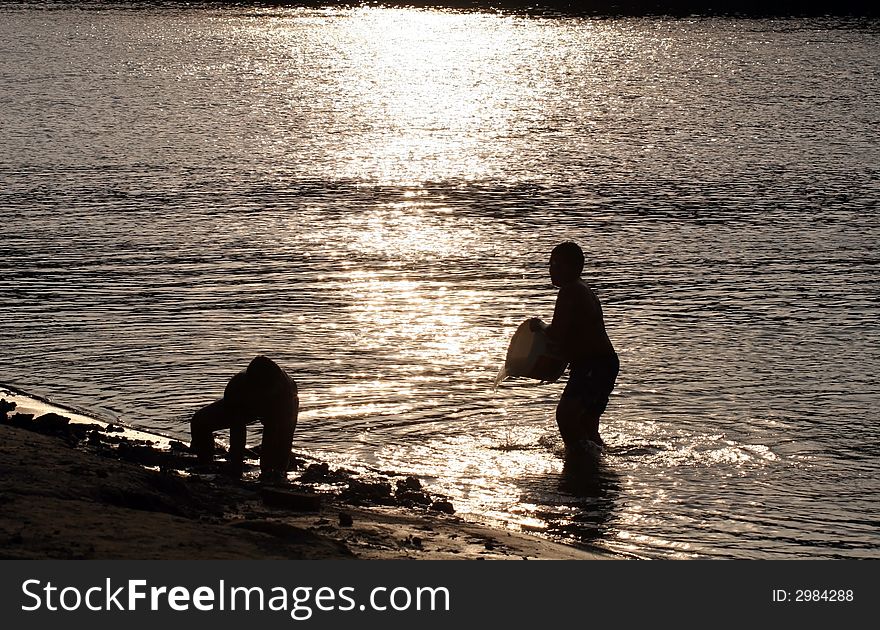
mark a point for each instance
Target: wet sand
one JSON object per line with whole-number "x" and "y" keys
{"x": 74, "y": 487}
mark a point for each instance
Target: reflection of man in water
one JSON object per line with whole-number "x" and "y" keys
{"x": 262, "y": 391}
{"x": 578, "y": 330}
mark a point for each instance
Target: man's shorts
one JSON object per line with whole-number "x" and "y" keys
{"x": 591, "y": 381}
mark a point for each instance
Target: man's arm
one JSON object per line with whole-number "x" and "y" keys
{"x": 240, "y": 407}
{"x": 562, "y": 325}
{"x": 237, "y": 444}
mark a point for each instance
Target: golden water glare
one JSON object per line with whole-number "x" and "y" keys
{"x": 428, "y": 112}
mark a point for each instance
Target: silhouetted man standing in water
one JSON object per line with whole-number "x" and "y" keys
{"x": 578, "y": 331}
{"x": 262, "y": 392}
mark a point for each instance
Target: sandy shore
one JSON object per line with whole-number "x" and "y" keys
{"x": 73, "y": 487}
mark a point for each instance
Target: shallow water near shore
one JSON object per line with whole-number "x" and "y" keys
{"x": 185, "y": 188}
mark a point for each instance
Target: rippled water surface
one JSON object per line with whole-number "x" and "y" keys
{"x": 370, "y": 197}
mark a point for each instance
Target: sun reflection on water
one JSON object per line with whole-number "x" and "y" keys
{"x": 425, "y": 89}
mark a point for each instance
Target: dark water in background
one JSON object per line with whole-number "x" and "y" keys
{"x": 370, "y": 197}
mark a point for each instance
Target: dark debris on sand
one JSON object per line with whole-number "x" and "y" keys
{"x": 315, "y": 485}
{"x": 72, "y": 489}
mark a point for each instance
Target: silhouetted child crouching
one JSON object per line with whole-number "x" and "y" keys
{"x": 261, "y": 392}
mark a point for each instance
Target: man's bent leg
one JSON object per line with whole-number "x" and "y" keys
{"x": 591, "y": 424}
{"x": 584, "y": 400}
{"x": 204, "y": 423}
{"x": 571, "y": 420}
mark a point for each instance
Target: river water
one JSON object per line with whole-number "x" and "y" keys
{"x": 370, "y": 196}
